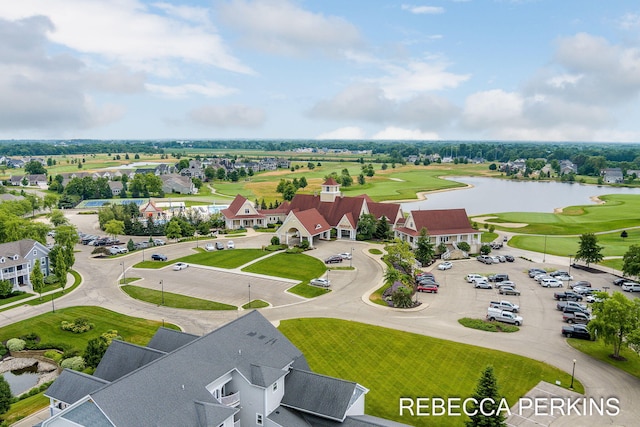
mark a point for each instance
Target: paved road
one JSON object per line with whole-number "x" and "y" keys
{"x": 539, "y": 338}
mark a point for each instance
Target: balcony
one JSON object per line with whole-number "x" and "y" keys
{"x": 231, "y": 399}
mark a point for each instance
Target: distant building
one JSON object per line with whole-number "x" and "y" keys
{"x": 177, "y": 184}
{"x": 612, "y": 175}
{"x": 17, "y": 260}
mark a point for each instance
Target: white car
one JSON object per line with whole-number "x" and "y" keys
{"x": 345, "y": 255}
{"x": 230, "y": 244}
{"x": 180, "y": 266}
{"x": 473, "y": 277}
{"x": 445, "y": 265}
{"x": 551, "y": 283}
{"x": 323, "y": 283}
{"x": 209, "y": 247}
{"x": 564, "y": 277}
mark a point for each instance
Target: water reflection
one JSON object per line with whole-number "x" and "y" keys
{"x": 491, "y": 195}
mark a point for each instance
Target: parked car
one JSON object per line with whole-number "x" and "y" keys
{"x": 427, "y": 288}
{"x": 482, "y": 284}
{"x": 486, "y": 259}
{"x": 505, "y": 305}
{"x": 533, "y": 272}
{"x": 158, "y": 242}
{"x": 551, "y": 283}
{"x": 576, "y": 317}
{"x": 498, "y": 277}
{"x": 576, "y": 331}
{"x": 333, "y": 259}
{"x": 209, "y": 247}
{"x": 472, "y": 277}
{"x": 219, "y": 246}
{"x": 582, "y": 283}
{"x": 495, "y": 259}
{"x": 567, "y": 296}
{"x": 592, "y": 298}
{"x": 427, "y": 281}
{"x": 346, "y": 255}
{"x": 619, "y": 282}
{"x": 445, "y": 265}
{"x": 563, "y": 277}
{"x": 505, "y": 283}
{"x": 502, "y": 258}
{"x": 508, "y": 290}
{"x": 503, "y": 316}
{"x": 113, "y": 250}
{"x": 158, "y": 257}
{"x": 323, "y": 283}
{"x": 180, "y": 266}
{"x": 559, "y": 273}
{"x": 231, "y": 245}
{"x": 141, "y": 245}
{"x": 631, "y": 287}
{"x": 509, "y": 258}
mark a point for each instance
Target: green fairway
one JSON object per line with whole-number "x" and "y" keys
{"x": 394, "y": 365}
{"x": 47, "y": 327}
{"x": 618, "y": 213}
{"x": 169, "y": 299}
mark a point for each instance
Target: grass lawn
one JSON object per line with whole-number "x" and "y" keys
{"x": 256, "y": 303}
{"x": 15, "y": 298}
{"x": 391, "y": 368}
{"x": 173, "y": 300}
{"x": 25, "y": 407}
{"x": 47, "y": 299}
{"x": 225, "y": 259}
{"x": 600, "y": 351}
{"x": 47, "y": 326}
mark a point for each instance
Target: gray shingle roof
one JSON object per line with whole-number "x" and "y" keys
{"x": 122, "y": 358}
{"x": 287, "y": 417}
{"x": 264, "y": 376}
{"x": 87, "y": 414}
{"x": 318, "y": 394}
{"x": 72, "y": 386}
{"x": 168, "y": 340}
{"x": 213, "y": 414}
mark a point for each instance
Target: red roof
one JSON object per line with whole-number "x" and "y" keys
{"x": 312, "y": 221}
{"x": 440, "y": 222}
{"x": 389, "y": 210}
{"x": 330, "y": 181}
{"x": 233, "y": 211}
{"x": 331, "y": 211}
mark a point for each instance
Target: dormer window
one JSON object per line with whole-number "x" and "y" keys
{"x": 318, "y": 226}
{"x": 15, "y": 257}
{"x": 2, "y": 260}
{"x": 35, "y": 252}
{"x": 246, "y": 211}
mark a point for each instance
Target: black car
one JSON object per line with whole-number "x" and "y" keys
{"x": 509, "y": 258}
{"x": 159, "y": 257}
{"x": 619, "y": 282}
{"x": 576, "y": 331}
{"x": 219, "y": 246}
{"x": 333, "y": 259}
{"x": 498, "y": 277}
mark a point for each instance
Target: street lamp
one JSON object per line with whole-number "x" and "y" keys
{"x": 570, "y": 255}
{"x": 350, "y": 257}
{"x": 53, "y": 306}
{"x": 162, "y": 291}
{"x": 124, "y": 278}
{"x": 249, "y": 294}
{"x": 573, "y": 373}
{"x": 544, "y": 254}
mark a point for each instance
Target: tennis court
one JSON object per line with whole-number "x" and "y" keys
{"x": 98, "y": 203}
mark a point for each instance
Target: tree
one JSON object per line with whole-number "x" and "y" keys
{"x": 5, "y": 288}
{"x": 631, "y": 261}
{"x": 114, "y": 227}
{"x": 424, "y": 251}
{"x": 366, "y": 227}
{"x": 57, "y": 218}
{"x": 61, "y": 269}
{"x": 488, "y": 409}
{"x": 400, "y": 256}
{"x": 50, "y": 200}
{"x": 383, "y": 229}
{"x": 589, "y": 250}
{"x": 5, "y": 395}
{"x": 401, "y": 297}
{"x": 615, "y": 319}
{"x": 303, "y": 182}
{"x": 361, "y": 179}
{"x": 95, "y": 350}
{"x": 173, "y": 230}
{"x": 624, "y": 234}
{"x": 36, "y": 277}
{"x": 34, "y": 168}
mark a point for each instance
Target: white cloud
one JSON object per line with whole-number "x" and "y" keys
{"x": 210, "y": 90}
{"x": 630, "y": 21}
{"x": 281, "y": 27}
{"x": 130, "y": 33}
{"x": 348, "y": 132}
{"x": 228, "y": 116}
{"x": 423, "y": 10}
{"x": 395, "y": 133}
{"x": 360, "y": 102}
{"x": 492, "y": 108}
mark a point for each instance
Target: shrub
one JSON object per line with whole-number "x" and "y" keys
{"x": 464, "y": 246}
{"x": 76, "y": 363}
{"x": 275, "y": 241}
{"x": 304, "y": 245}
{"x": 53, "y": 355}
{"x": 16, "y": 344}
{"x": 294, "y": 251}
{"x": 51, "y": 279}
{"x": 78, "y": 326}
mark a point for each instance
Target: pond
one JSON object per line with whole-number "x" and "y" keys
{"x": 492, "y": 195}
{"x": 21, "y": 380}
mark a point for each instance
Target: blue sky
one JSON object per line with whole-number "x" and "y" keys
{"x": 543, "y": 70}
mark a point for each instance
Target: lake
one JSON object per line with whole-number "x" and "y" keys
{"x": 492, "y": 195}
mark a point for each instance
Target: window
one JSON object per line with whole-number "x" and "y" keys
{"x": 259, "y": 419}
{"x": 2, "y": 259}
{"x": 35, "y": 252}
{"x": 275, "y": 386}
{"x": 246, "y": 211}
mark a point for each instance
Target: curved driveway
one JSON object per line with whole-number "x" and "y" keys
{"x": 539, "y": 338}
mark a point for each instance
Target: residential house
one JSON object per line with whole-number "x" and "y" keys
{"x": 448, "y": 226}
{"x": 37, "y": 180}
{"x": 16, "y": 180}
{"x": 150, "y": 210}
{"x": 242, "y": 213}
{"x": 17, "y": 260}
{"x": 612, "y": 175}
{"x": 243, "y": 374}
{"x": 116, "y": 187}
{"x": 567, "y": 166}
{"x": 195, "y": 170}
{"x": 177, "y": 184}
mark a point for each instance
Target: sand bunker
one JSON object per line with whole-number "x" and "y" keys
{"x": 486, "y": 219}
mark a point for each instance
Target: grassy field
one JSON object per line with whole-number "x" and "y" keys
{"x": 600, "y": 351}
{"x": 290, "y": 266}
{"x": 47, "y": 326}
{"x": 392, "y": 368}
{"x": 169, "y": 299}
{"x": 224, "y": 259}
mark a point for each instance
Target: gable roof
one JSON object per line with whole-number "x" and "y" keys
{"x": 319, "y": 394}
{"x": 168, "y": 340}
{"x": 122, "y": 357}
{"x": 440, "y": 222}
{"x": 312, "y": 221}
{"x": 332, "y": 212}
{"x": 330, "y": 181}
{"x": 22, "y": 248}
{"x": 72, "y": 386}
{"x": 235, "y": 206}
{"x": 389, "y": 210}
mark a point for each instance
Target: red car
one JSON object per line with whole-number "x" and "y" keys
{"x": 432, "y": 289}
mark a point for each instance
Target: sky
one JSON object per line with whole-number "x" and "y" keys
{"x": 530, "y": 70}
